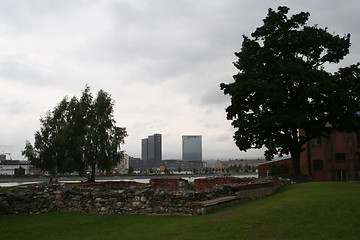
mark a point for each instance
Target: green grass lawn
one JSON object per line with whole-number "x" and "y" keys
{"x": 318, "y": 210}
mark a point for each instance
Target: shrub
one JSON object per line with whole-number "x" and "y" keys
{"x": 279, "y": 170}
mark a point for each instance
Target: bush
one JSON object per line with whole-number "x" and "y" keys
{"x": 279, "y": 170}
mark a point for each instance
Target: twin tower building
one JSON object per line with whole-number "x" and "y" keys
{"x": 151, "y": 149}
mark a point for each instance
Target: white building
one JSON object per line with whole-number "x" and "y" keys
{"x": 123, "y": 166}
{"x": 11, "y": 167}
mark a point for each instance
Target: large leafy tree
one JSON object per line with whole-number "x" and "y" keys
{"x": 78, "y": 135}
{"x": 282, "y": 86}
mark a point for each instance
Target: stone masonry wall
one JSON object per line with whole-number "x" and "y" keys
{"x": 209, "y": 183}
{"x": 128, "y": 197}
{"x": 169, "y": 183}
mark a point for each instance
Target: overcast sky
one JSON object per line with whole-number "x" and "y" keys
{"x": 162, "y": 62}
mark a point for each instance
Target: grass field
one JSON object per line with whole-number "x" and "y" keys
{"x": 318, "y": 210}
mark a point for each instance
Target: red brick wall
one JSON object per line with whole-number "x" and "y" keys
{"x": 265, "y": 167}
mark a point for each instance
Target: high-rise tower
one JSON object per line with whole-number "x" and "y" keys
{"x": 151, "y": 150}
{"x": 144, "y": 151}
{"x": 191, "y": 148}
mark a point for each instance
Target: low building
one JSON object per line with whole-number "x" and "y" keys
{"x": 264, "y": 168}
{"x": 136, "y": 163}
{"x": 175, "y": 165}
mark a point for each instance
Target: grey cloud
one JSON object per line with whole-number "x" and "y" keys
{"x": 16, "y": 107}
{"x": 222, "y": 137}
{"x": 27, "y": 16}
{"x": 214, "y": 96}
{"x": 14, "y": 70}
{"x": 167, "y": 40}
{"x": 211, "y": 125}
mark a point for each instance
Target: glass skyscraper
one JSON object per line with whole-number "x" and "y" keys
{"x": 144, "y": 151}
{"x": 151, "y": 150}
{"x": 191, "y": 148}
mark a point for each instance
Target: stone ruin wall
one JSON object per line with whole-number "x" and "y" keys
{"x": 209, "y": 183}
{"x": 161, "y": 196}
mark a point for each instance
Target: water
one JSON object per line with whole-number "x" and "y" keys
{"x": 12, "y": 184}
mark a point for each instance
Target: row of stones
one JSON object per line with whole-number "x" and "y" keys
{"x": 109, "y": 198}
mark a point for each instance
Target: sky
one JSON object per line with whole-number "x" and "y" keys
{"x": 161, "y": 61}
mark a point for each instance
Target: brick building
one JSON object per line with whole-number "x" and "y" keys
{"x": 334, "y": 157}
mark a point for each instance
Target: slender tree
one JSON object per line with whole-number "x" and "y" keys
{"x": 103, "y": 139}
{"x": 282, "y": 86}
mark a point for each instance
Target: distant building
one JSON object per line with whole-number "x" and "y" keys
{"x": 235, "y": 162}
{"x": 123, "y": 165}
{"x": 191, "y": 148}
{"x": 13, "y": 167}
{"x": 151, "y": 150}
{"x": 144, "y": 151}
{"x": 136, "y": 163}
{"x": 176, "y": 165}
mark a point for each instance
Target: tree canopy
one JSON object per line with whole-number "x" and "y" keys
{"x": 77, "y": 136}
{"x": 282, "y": 86}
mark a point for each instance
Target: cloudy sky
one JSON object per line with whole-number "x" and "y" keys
{"x": 162, "y": 62}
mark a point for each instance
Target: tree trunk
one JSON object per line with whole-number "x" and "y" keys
{"x": 295, "y": 149}
{"x": 295, "y": 161}
{"x": 295, "y": 165}
{"x": 54, "y": 177}
{"x": 92, "y": 174}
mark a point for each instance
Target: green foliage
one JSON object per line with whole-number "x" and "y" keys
{"x": 5, "y": 189}
{"x": 281, "y": 86}
{"x": 77, "y": 135}
{"x": 279, "y": 170}
{"x": 130, "y": 170}
{"x": 20, "y": 171}
{"x": 241, "y": 168}
{"x": 321, "y": 210}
